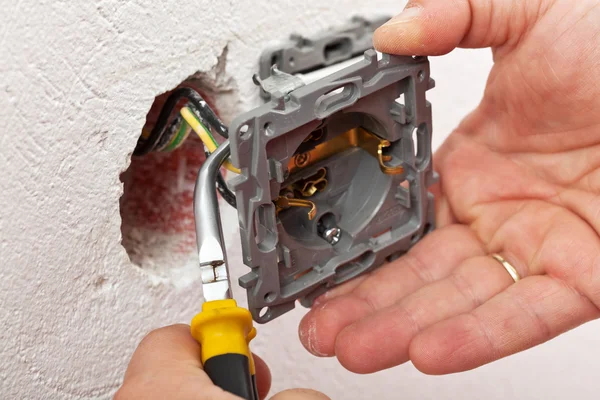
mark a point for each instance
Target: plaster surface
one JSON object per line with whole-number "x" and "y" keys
{"x": 76, "y": 81}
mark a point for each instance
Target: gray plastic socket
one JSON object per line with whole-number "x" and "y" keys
{"x": 380, "y": 216}
{"x": 301, "y": 54}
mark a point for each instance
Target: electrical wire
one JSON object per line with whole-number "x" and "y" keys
{"x": 209, "y": 141}
{"x": 191, "y": 119}
{"x": 182, "y": 134}
{"x": 148, "y": 141}
{"x": 227, "y": 194}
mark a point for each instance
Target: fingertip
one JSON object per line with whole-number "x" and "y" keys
{"x": 320, "y": 327}
{"x": 349, "y": 352}
{"x": 263, "y": 376}
{"x": 422, "y": 354}
{"x": 310, "y": 333}
{"x": 402, "y": 34}
{"x": 447, "y": 347}
{"x": 375, "y": 343}
{"x": 362, "y": 354}
{"x": 424, "y": 28}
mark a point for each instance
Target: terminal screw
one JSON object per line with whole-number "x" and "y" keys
{"x": 332, "y": 235}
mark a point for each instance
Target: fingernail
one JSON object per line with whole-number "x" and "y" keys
{"x": 312, "y": 341}
{"x": 410, "y": 12}
{"x": 309, "y": 338}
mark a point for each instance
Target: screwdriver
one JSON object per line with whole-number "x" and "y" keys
{"x": 223, "y": 329}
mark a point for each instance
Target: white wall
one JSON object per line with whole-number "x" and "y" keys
{"x": 76, "y": 80}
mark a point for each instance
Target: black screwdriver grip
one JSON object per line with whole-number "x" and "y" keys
{"x": 231, "y": 372}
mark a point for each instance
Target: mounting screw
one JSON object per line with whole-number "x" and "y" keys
{"x": 332, "y": 235}
{"x": 301, "y": 160}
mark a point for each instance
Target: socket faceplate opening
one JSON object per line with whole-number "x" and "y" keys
{"x": 338, "y": 171}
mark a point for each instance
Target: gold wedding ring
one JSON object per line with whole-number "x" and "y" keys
{"x": 509, "y": 268}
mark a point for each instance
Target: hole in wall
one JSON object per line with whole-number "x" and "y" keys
{"x": 157, "y": 222}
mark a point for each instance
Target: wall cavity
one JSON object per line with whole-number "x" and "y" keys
{"x": 156, "y": 207}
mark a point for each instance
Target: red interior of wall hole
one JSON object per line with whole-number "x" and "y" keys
{"x": 156, "y": 206}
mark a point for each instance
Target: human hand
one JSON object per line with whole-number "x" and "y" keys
{"x": 166, "y": 365}
{"x": 520, "y": 176}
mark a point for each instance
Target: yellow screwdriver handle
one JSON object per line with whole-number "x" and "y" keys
{"x": 224, "y": 332}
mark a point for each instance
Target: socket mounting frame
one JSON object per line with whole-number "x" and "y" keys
{"x": 373, "y": 215}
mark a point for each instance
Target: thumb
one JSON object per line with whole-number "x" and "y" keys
{"x": 436, "y": 27}
{"x": 300, "y": 394}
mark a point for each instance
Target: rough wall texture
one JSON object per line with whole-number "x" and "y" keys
{"x": 76, "y": 81}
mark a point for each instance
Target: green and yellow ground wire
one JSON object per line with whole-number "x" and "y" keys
{"x": 204, "y": 134}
